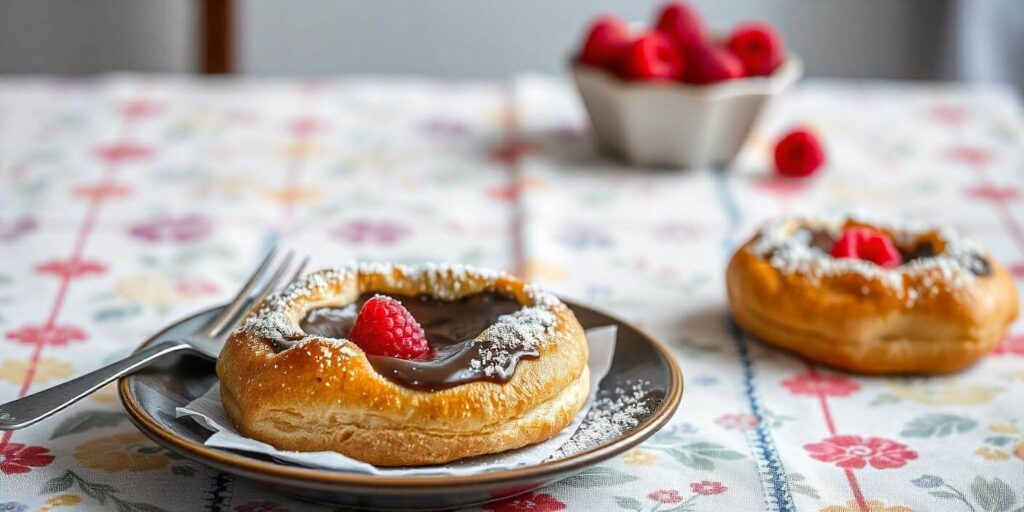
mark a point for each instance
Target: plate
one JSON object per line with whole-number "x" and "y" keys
{"x": 150, "y": 398}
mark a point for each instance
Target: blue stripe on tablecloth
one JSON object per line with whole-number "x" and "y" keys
{"x": 762, "y": 446}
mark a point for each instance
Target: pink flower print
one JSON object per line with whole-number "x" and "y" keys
{"x": 444, "y": 127}
{"x": 855, "y": 452}
{"x": 948, "y": 114}
{"x": 138, "y": 109}
{"x": 504, "y": 193}
{"x": 782, "y": 187}
{"x": 370, "y": 232}
{"x": 993, "y": 193}
{"x": 20, "y": 458}
{"x": 305, "y": 126}
{"x": 163, "y": 228}
{"x": 55, "y": 335}
{"x": 737, "y": 421}
{"x": 814, "y": 384}
{"x": 970, "y": 155}
{"x": 708, "y": 488}
{"x": 1017, "y": 269}
{"x": 529, "y": 502}
{"x": 1011, "y": 345}
{"x": 71, "y": 268}
{"x": 665, "y": 496}
{"x": 15, "y": 229}
{"x": 101, "y": 191}
{"x": 196, "y": 288}
{"x": 509, "y": 153}
{"x": 123, "y": 151}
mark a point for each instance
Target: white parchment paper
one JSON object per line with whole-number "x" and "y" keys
{"x": 208, "y": 412}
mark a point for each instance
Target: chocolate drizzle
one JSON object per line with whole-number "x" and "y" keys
{"x": 457, "y": 356}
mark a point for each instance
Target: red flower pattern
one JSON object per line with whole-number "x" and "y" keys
{"x": 372, "y": 232}
{"x": 510, "y": 153}
{"x": 814, "y": 384}
{"x": 102, "y": 191}
{"x": 529, "y": 502}
{"x": 737, "y": 421}
{"x": 188, "y": 228}
{"x": 855, "y": 452}
{"x": 20, "y": 458}
{"x": 304, "y": 126}
{"x": 138, "y": 109}
{"x": 666, "y": 496}
{"x": 56, "y": 335}
{"x": 970, "y": 155}
{"x": 1011, "y": 345}
{"x": 782, "y": 187}
{"x": 122, "y": 151}
{"x": 71, "y": 268}
{"x": 708, "y": 488}
{"x": 993, "y": 193}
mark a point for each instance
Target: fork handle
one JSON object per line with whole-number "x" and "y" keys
{"x": 27, "y": 410}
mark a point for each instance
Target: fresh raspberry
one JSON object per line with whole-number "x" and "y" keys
{"x": 867, "y": 244}
{"x": 385, "y": 328}
{"x": 710, "y": 64}
{"x": 681, "y": 23}
{"x": 759, "y": 46}
{"x": 651, "y": 57}
{"x": 798, "y": 154}
{"x": 607, "y": 36}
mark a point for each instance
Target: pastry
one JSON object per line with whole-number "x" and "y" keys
{"x": 871, "y": 298}
{"x": 400, "y": 366}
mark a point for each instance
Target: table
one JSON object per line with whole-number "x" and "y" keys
{"x": 129, "y": 201}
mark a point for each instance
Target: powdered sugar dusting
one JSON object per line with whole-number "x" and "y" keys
{"x": 277, "y": 319}
{"x": 612, "y": 415}
{"x": 521, "y": 331}
{"x": 788, "y": 249}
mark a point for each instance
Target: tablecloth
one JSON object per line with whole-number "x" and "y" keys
{"x": 128, "y": 201}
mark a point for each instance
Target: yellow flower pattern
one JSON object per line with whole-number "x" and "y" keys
{"x": 122, "y": 452}
{"x": 944, "y": 393}
{"x": 14, "y": 371}
{"x": 639, "y": 457}
{"x": 992, "y": 454}
{"x": 873, "y": 506}
{"x": 149, "y": 289}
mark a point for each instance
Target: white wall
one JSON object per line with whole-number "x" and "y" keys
{"x": 493, "y": 38}
{"x": 86, "y": 36}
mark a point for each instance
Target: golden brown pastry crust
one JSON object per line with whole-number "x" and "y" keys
{"x": 923, "y": 317}
{"x": 322, "y": 394}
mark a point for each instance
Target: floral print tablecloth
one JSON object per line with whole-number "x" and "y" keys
{"x": 127, "y": 202}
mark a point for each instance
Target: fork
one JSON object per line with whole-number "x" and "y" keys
{"x": 206, "y": 341}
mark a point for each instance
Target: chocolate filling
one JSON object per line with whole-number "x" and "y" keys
{"x": 456, "y": 357}
{"x": 823, "y": 240}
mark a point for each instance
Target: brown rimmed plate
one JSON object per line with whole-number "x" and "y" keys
{"x": 151, "y": 397}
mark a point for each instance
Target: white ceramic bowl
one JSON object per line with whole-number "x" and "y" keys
{"x": 676, "y": 124}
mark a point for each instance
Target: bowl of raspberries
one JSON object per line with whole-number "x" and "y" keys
{"x": 678, "y": 95}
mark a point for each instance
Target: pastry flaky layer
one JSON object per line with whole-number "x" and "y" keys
{"x": 934, "y": 314}
{"x": 309, "y": 393}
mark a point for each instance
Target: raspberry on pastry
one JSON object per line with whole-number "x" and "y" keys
{"x": 385, "y": 328}
{"x": 867, "y": 244}
{"x": 910, "y": 300}
{"x": 469, "y": 363}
